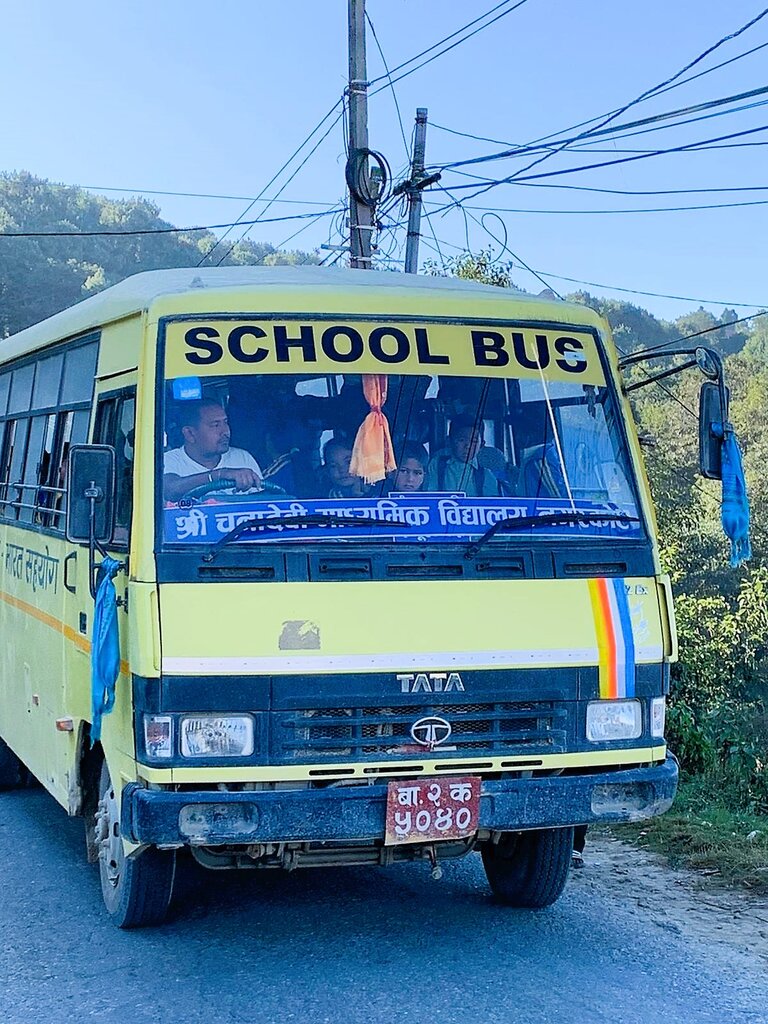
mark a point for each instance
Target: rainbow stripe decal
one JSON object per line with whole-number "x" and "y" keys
{"x": 615, "y": 642}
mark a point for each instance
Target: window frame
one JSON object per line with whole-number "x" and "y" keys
{"x": 113, "y": 403}
{"x": 40, "y": 514}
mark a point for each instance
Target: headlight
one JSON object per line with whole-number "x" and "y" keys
{"x": 216, "y": 736}
{"x": 614, "y": 720}
{"x": 158, "y": 735}
{"x": 658, "y": 715}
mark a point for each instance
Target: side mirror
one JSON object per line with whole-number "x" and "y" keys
{"x": 712, "y": 416}
{"x": 90, "y": 494}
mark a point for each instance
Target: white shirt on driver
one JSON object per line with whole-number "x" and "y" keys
{"x": 179, "y": 463}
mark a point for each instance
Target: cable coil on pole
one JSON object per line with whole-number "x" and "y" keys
{"x": 367, "y": 187}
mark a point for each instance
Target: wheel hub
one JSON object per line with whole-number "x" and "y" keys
{"x": 110, "y": 844}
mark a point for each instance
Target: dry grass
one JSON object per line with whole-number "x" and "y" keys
{"x": 702, "y": 833}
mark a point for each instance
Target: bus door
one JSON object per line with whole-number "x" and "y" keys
{"x": 115, "y": 411}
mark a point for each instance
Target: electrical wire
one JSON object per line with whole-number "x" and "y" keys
{"x": 161, "y": 231}
{"x": 613, "y": 132}
{"x": 654, "y": 89}
{"x": 648, "y": 192}
{"x": 453, "y": 35}
{"x": 653, "y": 295}
{"x": 689, "y": 147}
{"x": 707, "y": 330}
{"x": 272, "y": 180}
{"x": 287, "y": 182}
{"x": 633, "y": 291}
{"x": 505, "y": 247}
{"x": 194, "y": 195}
{"x": 630, "y": 210}
{"x": 391, "y": 85}
{"x": 281, "y": 245}
{"x": 659, "y": 92}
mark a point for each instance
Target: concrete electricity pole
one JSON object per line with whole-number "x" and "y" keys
{"x": 414, "y": 192}
{"x": 358, "y": 177}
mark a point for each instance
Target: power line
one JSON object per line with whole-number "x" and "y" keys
{"x": 707, "y": 330}
{"x": 617, "y": 134}
{"x": 655, "y": 89}
{"x": 274, "y": 178}
{"x": 654, "y": 295}
{"x": 505, "y": 248}
{"x": 689, "y": 147}
{"x": 648, "y": 192}
{"x": 163, "y": 231}
{"x": 668, "y": 115}
{"x": 285, "y": 185}
{"x": 629, "y": 291}
{"x": 453, "y": 35}
{"x": 643, "y": 209}
{"x": 195, "y": 195}
{"x": 389, "y": 76}
{"x": 659, "y": 92}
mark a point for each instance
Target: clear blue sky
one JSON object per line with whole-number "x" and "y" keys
{"x": 187, "y": 96}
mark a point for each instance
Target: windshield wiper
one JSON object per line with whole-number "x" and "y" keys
{"x": 512, "y": 523}
{"x": 313, "y": 519}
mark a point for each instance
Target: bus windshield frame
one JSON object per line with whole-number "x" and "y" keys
{"x": 450, "y": 503}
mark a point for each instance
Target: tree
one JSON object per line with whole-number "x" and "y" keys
{"x": 482, "y": 267}
{"x": 40, "y": 276}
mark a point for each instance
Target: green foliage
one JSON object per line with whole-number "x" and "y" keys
{"x": 481, "y": 266}
{"x": 633, "y": 328}
{"x": 40, "y": 276}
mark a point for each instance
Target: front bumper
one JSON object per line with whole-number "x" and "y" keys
{"x": 344, "y": 813}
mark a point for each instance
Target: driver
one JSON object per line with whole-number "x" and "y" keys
{"x": 206, "y": 457}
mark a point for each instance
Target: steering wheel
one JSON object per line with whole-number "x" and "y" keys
{"x": 196, "y": 493}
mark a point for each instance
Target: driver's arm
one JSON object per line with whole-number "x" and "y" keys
{"x": 175, "y": 487}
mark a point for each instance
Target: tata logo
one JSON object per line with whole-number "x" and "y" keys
{"x": 430, "y": 682}
{"x": 431, "y": 732}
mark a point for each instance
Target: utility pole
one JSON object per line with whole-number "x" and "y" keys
{"x": 414, "y": 192}
{"x": 358, "y": 178}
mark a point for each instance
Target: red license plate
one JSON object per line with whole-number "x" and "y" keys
{"x": 423, "y": 810}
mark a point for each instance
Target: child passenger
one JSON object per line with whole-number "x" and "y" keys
{"x": 340, "y": 483}
{"x": 411, "y": 470}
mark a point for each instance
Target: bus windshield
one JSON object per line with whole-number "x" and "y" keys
{"x": 442, "y": 456}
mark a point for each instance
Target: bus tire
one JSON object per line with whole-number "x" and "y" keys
{"x": 136, "y": 887}
{"x": 11, "y": 768}
{"x": 529, "y": 869}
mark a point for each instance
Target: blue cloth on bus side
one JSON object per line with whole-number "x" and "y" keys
{"x": 734, "y": 508}
{"x": 105, "y": 646}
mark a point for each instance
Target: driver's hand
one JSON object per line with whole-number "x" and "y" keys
{"x": 245, "y": 479}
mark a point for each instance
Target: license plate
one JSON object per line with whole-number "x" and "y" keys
{"x": 423, "y": 810}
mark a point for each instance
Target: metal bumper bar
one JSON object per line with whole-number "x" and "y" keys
{"x": 344, "y": 813}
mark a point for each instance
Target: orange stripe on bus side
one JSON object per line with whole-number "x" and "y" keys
{"x": 81, "y": 642}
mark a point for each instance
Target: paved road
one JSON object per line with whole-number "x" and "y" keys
{"x": 347, "y": 946}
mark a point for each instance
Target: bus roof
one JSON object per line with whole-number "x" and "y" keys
{"x": 137, "y": 293}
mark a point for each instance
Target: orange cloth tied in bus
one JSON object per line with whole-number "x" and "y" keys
{"x": 372, "y": 454}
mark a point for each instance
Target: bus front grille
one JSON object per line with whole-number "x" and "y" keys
{"x": 379, "y": 732}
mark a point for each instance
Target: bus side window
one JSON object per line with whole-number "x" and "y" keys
{"x": 11, "y": 472}
{"x": 115, "y": 422}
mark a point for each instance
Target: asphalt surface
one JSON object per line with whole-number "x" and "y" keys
{"x": 348, "y": 945}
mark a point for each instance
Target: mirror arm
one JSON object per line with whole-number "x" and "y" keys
{"x": 718, "y": 372}
{"x": 652, "y": 378}
{"x": 94, "y": 494}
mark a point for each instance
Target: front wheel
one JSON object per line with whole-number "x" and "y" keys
{"x": 529, "y": 869}
{"x": 136, "y": 887}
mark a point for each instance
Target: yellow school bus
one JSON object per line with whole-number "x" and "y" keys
{"x": 386, "y": 579}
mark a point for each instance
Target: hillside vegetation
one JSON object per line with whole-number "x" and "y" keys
{"x": 40, "y": 276}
